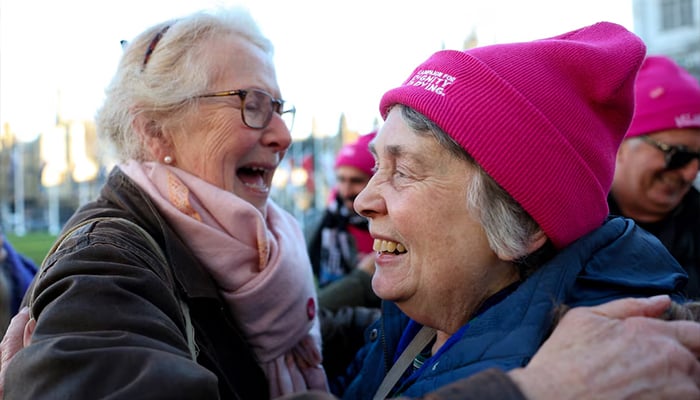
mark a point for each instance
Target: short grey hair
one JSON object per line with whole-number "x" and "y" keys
{"x": 509, "y": 228}
{"x": 163, "y": 89}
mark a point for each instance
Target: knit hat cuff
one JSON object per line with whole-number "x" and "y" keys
{"x": 681, "y": 117}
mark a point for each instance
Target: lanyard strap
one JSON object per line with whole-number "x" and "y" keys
{"x": 424, "y": 336}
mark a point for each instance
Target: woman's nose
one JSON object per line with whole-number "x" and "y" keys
{"x": 368, "y": 202}
{"x": 277, "y": 135}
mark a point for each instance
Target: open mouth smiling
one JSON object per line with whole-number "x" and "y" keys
{"x": 388, "y": 246}
{"x": 254, "y": 177}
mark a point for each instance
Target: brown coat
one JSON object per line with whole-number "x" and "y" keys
{"x": 109, "y": 322}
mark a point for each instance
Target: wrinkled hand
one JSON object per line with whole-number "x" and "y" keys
{"x": 17, "y": 336}
{"x": 612, "y": 352}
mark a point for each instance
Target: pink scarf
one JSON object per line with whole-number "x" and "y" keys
{"x": 259, "y": 264}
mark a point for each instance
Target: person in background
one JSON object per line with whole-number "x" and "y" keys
{"x": 658, "y": 162}
{"x": 488, "y": 208}
{"x": 340, "y": 246}
{"x": 340, "y": 249}
{"x": 183, "y": 279}
{"x": 15, "y": 276}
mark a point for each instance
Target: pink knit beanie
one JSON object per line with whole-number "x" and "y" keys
{"x": 544, "y": 118}
{"x": 356, "y": 154}
{"x": 667, "y": 97}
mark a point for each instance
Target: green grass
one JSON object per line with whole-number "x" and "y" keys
{"x": 34, "y": 245}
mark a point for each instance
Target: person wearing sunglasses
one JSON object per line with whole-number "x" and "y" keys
{"x": 658, "y": 162}
{"x": 183, "y": 279}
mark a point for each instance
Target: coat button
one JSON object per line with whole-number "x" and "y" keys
{"x": 373, "y": 334}
{"x": 310, "y": 308}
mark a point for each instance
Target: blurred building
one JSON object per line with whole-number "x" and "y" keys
{"x": 43, "y": 181}
{"x": 672, "y": 28}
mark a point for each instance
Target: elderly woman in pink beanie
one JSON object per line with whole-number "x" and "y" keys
{"x": 488, "y": 207}
{"x": 659, "y": 160}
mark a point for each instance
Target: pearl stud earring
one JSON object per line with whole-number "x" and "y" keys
{"x": 168, "y": 160}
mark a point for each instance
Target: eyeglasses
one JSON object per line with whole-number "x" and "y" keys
{"x": 257, "y": 107}
{"x": 675, "y": 156}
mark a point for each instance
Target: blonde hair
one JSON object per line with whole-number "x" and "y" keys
{"x": 162, "y": 85}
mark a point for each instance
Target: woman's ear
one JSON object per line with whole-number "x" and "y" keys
{"x": 156, "y": 143}
{"x": 537, "y": 240}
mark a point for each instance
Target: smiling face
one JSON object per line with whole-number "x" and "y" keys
{"x": 644, "y": 190}
{"x": 214, "y": 143}
{"x": 435, "y": 262}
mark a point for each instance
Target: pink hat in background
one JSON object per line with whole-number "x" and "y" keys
{"x": 356, "y": 154}
{"x": 543, "y": 118}
{"x": 666, "y": 96}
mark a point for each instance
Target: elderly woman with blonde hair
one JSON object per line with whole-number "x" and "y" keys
{"x": 182, "y": 279}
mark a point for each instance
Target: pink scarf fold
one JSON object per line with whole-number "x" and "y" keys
{"x": 259, "y": 263}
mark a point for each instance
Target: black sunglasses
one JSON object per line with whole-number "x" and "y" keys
{"x": 675, "y": 156}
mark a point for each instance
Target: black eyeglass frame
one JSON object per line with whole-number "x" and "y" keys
{"x": 276, "y": 106}
{"x": 675, "y": 156}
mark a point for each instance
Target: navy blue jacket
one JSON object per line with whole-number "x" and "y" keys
{"x": 20, "y": 270}
{"x": 615, "y": 261}
{"x": 679, "y": 231}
